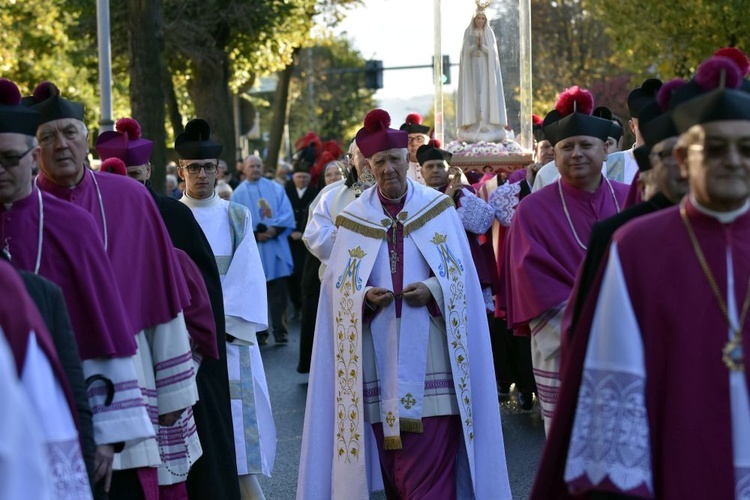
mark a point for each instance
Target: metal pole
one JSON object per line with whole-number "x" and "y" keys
{"x": 438, "y": 74}
{"x": 524, "y": 20}
{"x": 105, "y": 65}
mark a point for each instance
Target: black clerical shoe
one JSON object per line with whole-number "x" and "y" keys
{"x": 281, "y": 337}
{"x": 503, "y": 390}
{"x": 262, "y": 338}
{"x": 526, "y": 400}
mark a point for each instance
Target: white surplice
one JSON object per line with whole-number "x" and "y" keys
{"x": 23, "y": 457}
{"x": 228, "y": 228}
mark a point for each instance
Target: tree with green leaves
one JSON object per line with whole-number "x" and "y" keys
{"x": 668, "y": 39}
{"x": 326, "y": 97}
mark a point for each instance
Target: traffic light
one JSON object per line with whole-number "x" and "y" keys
{"x": 446, "y": 70}
{"x": 374, "y": 74}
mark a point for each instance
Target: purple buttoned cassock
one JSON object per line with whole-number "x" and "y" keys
{"x": 146, "y": 269}
{"x": 73, "y": 258}
{"x": 541, "y": 255}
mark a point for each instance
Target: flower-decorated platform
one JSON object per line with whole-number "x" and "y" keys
{"x": 481, "y": 156}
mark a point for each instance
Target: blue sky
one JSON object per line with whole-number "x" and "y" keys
{"x": 400, "y": 33}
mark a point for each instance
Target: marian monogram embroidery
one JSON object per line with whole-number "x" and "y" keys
{"x": 455, "y": 325}
{"x": 351, "y": 271}
{"x": 449, "y": 263}
{"x": 347, "y": 361}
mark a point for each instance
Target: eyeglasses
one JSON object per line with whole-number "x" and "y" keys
{"x": 720, "y": 149}
{"x": 195, "y": 168}
{"x": 418, "y": 140}
{"x": 11, "y": 160}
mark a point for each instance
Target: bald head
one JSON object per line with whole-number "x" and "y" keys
{"x": 253, "y": 168}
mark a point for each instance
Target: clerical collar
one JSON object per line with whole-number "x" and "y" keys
{"x": 301, "y": 192}
{"x": 723, "y": 217}
{"x": 211, "y": 201}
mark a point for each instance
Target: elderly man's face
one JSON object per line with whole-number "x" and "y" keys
{"x": 64, "y": 150}
{"x": 415, "y": 140}
{"x": 717, "y": 164}
{"x": 200, "y": 177}
{"x": 665, "y": 171}
{"x": 389, "y": 168}
{"x": 301, "y": 180}
{"x": 17, "y": 159}
{"x": 545, "y": 153}
{"x": 141, "y": 173}
{"x": 579, "y": 160}
{"x": 435, "y": 173}
{"x": 253, "y": 168}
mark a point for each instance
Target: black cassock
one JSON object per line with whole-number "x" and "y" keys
{"x": 214, "y": 475}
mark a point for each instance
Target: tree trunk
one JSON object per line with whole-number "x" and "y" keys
{"x": 279, "y": 110}
{"x": 145, "y": 48}
{"x": 209, "y": 91}
{"x": 173, "y": 107}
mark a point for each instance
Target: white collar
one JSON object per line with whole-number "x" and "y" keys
{"x": 211, "y": 201}
{"x": 723, "y": 217}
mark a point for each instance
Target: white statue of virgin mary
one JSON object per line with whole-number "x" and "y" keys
{"x": 480, "y": 110}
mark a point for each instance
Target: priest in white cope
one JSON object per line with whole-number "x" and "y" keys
{"x": 398, "y": 394}
{"x": 672, "y": 315}
{"x": 229, "y": 229}
{"x": 320, "y": 232}
{"x": 545, "y": 243}
{"x": 146, "y": 273}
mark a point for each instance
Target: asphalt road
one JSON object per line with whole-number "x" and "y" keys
{"x": 523, "y": 432}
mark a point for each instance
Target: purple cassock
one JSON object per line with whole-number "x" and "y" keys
{"x": 199, "y": 316}
{"x": 18, "y": 318}
{"x": 688, "y": 428}
{"x": 541, "y": 254}
{"x": 146, "y": 269}
{"x": 72, "y": 256}
{"x": 394, "y": 207}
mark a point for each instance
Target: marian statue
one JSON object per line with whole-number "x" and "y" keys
{"x": 481, "y": 105}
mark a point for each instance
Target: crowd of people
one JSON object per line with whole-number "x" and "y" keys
{"x": 607, "y": 284}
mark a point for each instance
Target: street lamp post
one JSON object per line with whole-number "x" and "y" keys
{"x": 105, "y": 65}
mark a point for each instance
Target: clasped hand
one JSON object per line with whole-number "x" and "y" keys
{"x": 416, "y": 295}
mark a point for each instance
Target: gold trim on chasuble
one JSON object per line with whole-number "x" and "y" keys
{"x": 456, "y": 323}
{"x": 347, "y": 360}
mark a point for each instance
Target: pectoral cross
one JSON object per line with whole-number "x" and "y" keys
{"x": 394, "y": 260}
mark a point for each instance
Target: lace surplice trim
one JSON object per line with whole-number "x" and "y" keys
{"x": 67, "y": 470}
{"x": 504, "y": 200}
{"x": 475, "y": 214}
{"x": 610, "y": 438}
{"x": 742, "y": 483}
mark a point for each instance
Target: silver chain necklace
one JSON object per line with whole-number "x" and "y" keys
{"x": 40, "y": 237}
{"x": 101, "y": 208}
{"x": 567, "y": 214}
